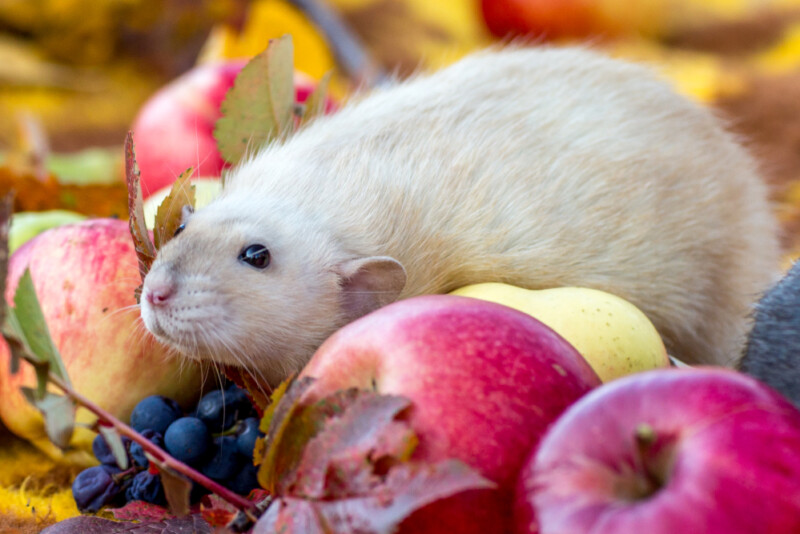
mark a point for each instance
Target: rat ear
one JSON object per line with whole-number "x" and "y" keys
{"x": 369, "y": 283}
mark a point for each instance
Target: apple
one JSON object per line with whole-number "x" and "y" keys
{"x": 205, "y": 190}
{"x": 485, "y": 382}
{"x": 666, "y": 451}
{"x": 174, "y": 129}
{"x": 85, "y": 275}
{"x": 614, "y": 336}
{"x": 26, "y": 225}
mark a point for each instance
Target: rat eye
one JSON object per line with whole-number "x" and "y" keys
{"x": 255, "y": 255}
{"x": 179, "y": 230}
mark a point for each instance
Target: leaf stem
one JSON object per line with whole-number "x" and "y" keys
{"x": 245, "y": 505}
{"x": 350, "y": 53}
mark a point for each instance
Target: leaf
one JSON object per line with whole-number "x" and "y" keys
{"x": 407, "y": 488}
{"x": 140, "y": 511}
{"x": 170, "y": 211}
{"x": 193, "y": 524}
{"x": 176, "y": 488}
{"x": 59, "y": 415}
{"x": 114, "y": 441}
{"x": 260, "y": 105}
{"x": 315, "y": 103}
{"x": 145, "y": 251}
{"x": 353, "y": 450}
{"x": 28, "y": 320}
{"x": 258, "y": 392}
{"x": 282, "y": 455}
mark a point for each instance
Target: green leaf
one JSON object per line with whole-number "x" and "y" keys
{"x": 170, "y": 211}
{"x": 260, "y": 105}
{"x": 114, "y": 441}
{"x": 145, "y": 251}
{"x": 315, "y": 103}
{"x": 27, "y": 318}
{"x": 59, "y": 415}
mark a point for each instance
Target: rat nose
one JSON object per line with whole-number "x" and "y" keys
{"x": 158, "y": 289}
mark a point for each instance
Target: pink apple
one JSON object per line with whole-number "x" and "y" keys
{"x": 85, "y": 275}
{"x": 718, "y": 453}
{"x": 485, "y": 381}
{"x": 174, "y": 130}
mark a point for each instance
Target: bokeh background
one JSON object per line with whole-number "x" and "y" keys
{"x": 74, "y": 73}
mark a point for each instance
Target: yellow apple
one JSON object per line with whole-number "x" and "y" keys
{"x": 614, "y": 336}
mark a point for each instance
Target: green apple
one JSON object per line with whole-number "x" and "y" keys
{"x": 26, "y": 225}
{"x": 205, "y": 190}
{"x": 614, "y": 336}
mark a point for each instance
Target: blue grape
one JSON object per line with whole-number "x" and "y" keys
{"x": 246, "y": 436}
{"x": 245, "y": 480}
{"x": 137, "y": 452}
{"x": 95, "y": 487}
{"x": 103, "y": 452}
{"x": 147, "y": 487}
{"x": 155, "y": 412}
{"x": 188, "y": 440}
{"x": 225, "y": 460}
{"x": 219, "y": 409}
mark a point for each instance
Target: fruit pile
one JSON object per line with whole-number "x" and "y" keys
{"x": 217, "y": 439}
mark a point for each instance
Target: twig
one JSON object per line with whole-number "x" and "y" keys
{"x": 248, "y": 507}
{"x": 350, "y": 53}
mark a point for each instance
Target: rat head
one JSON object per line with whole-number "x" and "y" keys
{"x": 259, "y": 286}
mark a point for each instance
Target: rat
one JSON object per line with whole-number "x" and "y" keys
{"x": 537, "y": 167}
{"x": 772, "y": 351}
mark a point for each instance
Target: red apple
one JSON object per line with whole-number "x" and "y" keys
{"x": 85, "y": 275}
{"x": 485, "y": 381}
{"x": 174, "y": 130}
{"x": 665, "y": 452}
{"x": 548, "y": 18}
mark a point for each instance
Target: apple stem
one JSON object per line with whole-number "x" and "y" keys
{"x": 645, "y": 438}
{"x": 249, "y": 508}
{"x": 349, "y": 51}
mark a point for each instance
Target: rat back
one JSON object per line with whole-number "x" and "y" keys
{"x": 540, "y": 168}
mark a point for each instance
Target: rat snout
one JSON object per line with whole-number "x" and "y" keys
{"x": 159, "y": 287}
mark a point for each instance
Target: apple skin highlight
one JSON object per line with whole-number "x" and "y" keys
{"x": 485, "y": 381}
{"x": 722, "y": 457}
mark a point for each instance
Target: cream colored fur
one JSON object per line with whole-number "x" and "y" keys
{"x": 538, "y": 167}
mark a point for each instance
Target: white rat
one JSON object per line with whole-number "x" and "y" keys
{"x": 534, "y": 167}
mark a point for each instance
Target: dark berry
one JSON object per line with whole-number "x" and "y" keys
{"x": 103, "y": 452}
{"x": 146, "y": 487}
{"x": 224, "y": 461}
{"x": 137, "y": 452}
{"x": 188, "y": 440}
{"x": 219, "y": 409}
{"x": 246, "y": 435}
{"x": 155, "y": 412}
{"x": 245, "y": 480}
{"x": 95, "y": 487}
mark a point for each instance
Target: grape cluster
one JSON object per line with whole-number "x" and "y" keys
{"x": 216, "y": 438}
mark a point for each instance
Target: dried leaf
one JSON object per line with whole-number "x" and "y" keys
{"x": 407, "y": 488}
{"x": 258, "y": 392}
{"x": 193, "y": 524}
{"x": 145, "y": 251}
{"x": 28, "y": 320}
{"x": 59, "y": 415}
{"x": 176, "y": 488}
{"x": 315, "y": 103}
{"x": 352, "y": 451}
{"x": 260, "y": 105}
{"x": 282, "y": 455}
{"x": 170, "y": 211}
{"x": 114, "y": 441}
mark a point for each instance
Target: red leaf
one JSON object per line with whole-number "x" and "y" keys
{"x": 140, "y": 511}
{"x": 343, "y": 459}
{"x": 94, "y": 525}
{"x": 407, "y": 488}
